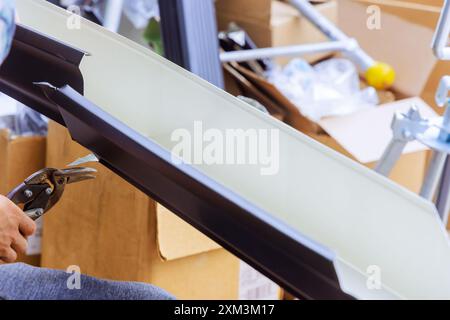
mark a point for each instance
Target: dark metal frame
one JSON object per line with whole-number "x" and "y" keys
{"x": 189, "y": 33}
{"x": 35, "y": 57}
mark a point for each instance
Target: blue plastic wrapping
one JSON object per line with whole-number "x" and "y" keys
{"x": 7, "y": 27}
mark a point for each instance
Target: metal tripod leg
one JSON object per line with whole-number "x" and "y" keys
{"x": 443, "y": 199}
{"x": 433, "y": 175}
{"x": 405, "y": 127}
{"x": 391, "y": 155}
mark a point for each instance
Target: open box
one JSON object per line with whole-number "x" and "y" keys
{"x": 401, "y": 51}
{"x": 362, "y": 136}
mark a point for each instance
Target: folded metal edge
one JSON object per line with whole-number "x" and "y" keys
{"x": 35, "y": 57}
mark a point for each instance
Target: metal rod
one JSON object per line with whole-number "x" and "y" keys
{"x": 113, "y": 14}
{"x": 443, "y": 198}
{"x": 390, "y": 157}
{"x": 440, "y": 40}
{"x": 332, "y": 32}
{"x": 256, "y": 54}
{"x": 437, "y": 162}
{"x": 433, "y": 175}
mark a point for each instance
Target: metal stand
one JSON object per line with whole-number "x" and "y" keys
{"x": 113, "y": 14}
{"x": 443, "y": 196}
{"x": 432, "y": 133}
{"x": 437, "y": 180}
{"x": 405, "y": 128}
{"x": 442, "y": 51}
{"x": 263, "y": 53}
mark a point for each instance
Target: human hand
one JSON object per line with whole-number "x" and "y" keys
{"x": 15, "y": 227}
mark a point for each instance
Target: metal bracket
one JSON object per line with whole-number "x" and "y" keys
{"x": 35, "y": 57}
{"x": 442, "y": 96}
{"x": 440, "y": 40}
{"x": 406, "y": 127}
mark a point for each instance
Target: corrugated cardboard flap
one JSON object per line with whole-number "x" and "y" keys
{"x": 372, "y": 127}
{"x": 177, "y": 239}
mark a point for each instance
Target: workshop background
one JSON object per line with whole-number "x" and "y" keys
{"x": 89, "y": 229}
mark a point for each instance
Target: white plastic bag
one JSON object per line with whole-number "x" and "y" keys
{"x": 330, "y": 88}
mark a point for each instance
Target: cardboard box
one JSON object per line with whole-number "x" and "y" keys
{"x": 404, "y": 41}
{"x": 112, "y": 230}
{"x": 19, "y": 158}
{"x": 436, "y": 3}
{"x": 273, "y": 23}
{"x": 362, "y": 136}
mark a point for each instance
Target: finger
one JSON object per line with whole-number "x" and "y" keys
{"x": 9, "y": 256}
{"x": 9, "y": 206}
{"x": 20, "y": 245}
{"x": 26, "y": 225}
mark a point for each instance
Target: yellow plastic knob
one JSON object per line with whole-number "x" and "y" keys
{"x": 380, "y": 76}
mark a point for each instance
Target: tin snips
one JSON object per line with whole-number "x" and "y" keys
{"x": 43, "y": 189}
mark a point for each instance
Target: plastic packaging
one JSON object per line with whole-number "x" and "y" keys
{"x": 29, "y": 122}
{"x": 139, "y": 12}
{"x": 330, "y": 88}
{"x": 7, "y": 27}
{"x": 254, "y": 104}
{"x": 21, "y": 120}
{"x": 8, "y": 110}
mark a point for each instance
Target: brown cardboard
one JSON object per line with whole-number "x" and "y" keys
{"x": 421, "y": 12}
{"x": 176, "y": 239}
{"x": 400, "y": 41}
{"x": 273, "y": 23}
{"x": 19, "y": 158}
{"x": 435, "y": 3}
{"x": 112, "y": 230}
{"x": 407, "y": 18}
{"x": 249, "y": 90}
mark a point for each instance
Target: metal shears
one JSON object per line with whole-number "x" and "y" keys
{"x": 43, "y": 189}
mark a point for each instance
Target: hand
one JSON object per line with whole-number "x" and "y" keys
{"x": 15, "y": 227}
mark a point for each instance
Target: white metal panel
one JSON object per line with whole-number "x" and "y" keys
{"x": 367, "y": 219}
